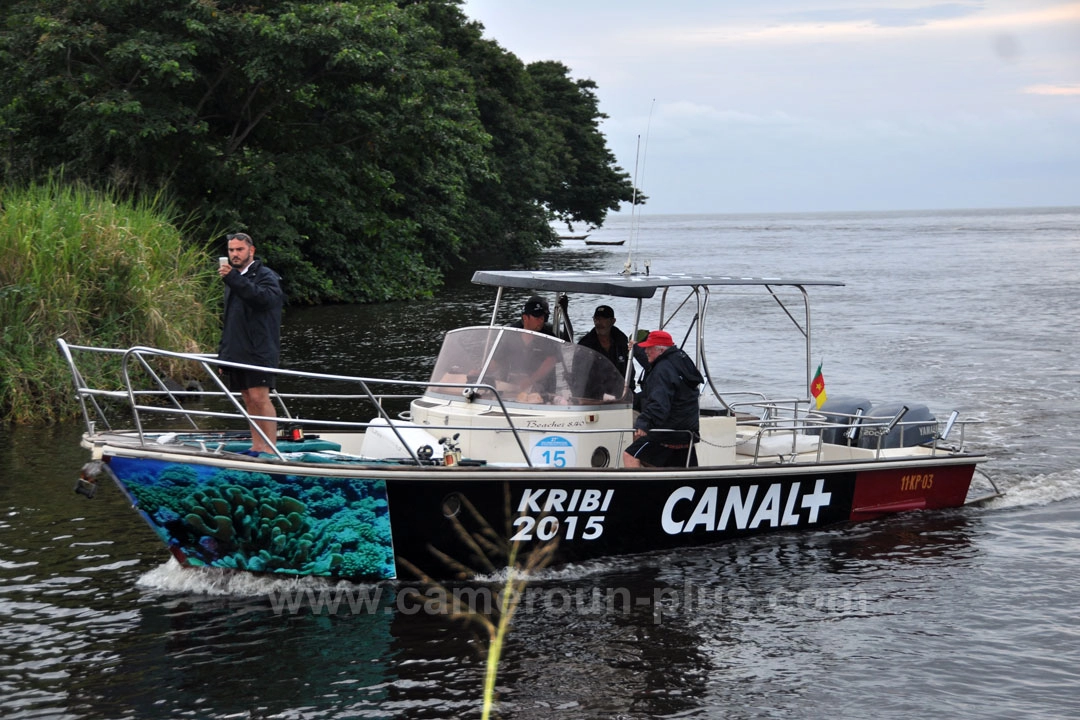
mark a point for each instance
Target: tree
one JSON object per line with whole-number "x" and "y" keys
{"x": 586, "y": 183}
{"x": 547, "y": 155}
{"x": 368, "y": 146}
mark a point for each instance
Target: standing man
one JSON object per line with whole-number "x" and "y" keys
{"x": 667, "y": 428}
{"x": 251, "y": 333}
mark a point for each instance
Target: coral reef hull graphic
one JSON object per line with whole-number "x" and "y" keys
{"x": 264, "y": 522}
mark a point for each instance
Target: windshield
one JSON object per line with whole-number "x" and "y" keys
{"x": 526, "y": 367}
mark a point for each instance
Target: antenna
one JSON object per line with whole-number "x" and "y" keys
{"x": 629, "y": 264}
{"x": 635, "y": 214}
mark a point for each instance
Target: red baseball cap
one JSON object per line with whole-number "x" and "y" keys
{"x": 658, "y": 338}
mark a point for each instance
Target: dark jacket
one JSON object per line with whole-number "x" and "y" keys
{"x": 670, "y": 398}
{"x": 617, "y": 354}
{"x": 251, "y": 331}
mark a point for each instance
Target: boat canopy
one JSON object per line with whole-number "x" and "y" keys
{"x": 629, "y": 285}
{"x": 644, "y": 286}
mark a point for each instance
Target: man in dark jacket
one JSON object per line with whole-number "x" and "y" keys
{"x": 612, "y": 343}
{"x": 251, "y": 332}
{"x": 667, "y": 428}
{"x": 608, "y": 340}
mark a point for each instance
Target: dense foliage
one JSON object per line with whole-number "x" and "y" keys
{"x": 94, "y": 270}
{"x": 369, "y": 146}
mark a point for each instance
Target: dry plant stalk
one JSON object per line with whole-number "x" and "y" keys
{"x": 488, "y": 547}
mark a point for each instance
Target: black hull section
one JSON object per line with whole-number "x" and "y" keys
{"x": 444, "y": 529}
{"x": 448, "y": 523}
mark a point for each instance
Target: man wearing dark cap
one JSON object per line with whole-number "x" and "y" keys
{"x": 534, "y": 316}
{"x": 608, "y": 340}
{"x": 533, "y": 365}
{"x": 667, "y": 427}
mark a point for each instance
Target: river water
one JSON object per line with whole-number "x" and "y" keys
{"x": 968, "y": 613}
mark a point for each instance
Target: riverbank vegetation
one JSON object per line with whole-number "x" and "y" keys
{"x": 371, "y": 147}
{"x": 95, "y": 270}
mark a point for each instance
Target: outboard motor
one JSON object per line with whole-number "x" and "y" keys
{"x": 916, "y": 427}
{"x": 840, "y": 411}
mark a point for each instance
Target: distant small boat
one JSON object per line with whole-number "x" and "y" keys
{"x": 574, "y": 237}
{"x": 604, "y": 242}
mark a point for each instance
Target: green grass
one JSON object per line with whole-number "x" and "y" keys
{"x": 95, "y": 270}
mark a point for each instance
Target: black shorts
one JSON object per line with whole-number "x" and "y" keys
{"x": 650, "y": 452}
{"x": 239, "y": 379}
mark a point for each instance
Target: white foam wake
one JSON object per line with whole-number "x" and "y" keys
{"x": 172, "y": 577}
{"x": 1039, "y": 490}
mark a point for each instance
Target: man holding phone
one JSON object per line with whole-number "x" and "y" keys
{"x": 251, "y": 333}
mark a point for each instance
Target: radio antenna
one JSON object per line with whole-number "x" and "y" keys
{"x": 635, "y": 214}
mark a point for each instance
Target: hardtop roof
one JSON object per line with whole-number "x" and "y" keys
{"x": 631, "y": 285}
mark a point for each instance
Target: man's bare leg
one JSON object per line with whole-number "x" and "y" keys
{"x": 258, "y": 402}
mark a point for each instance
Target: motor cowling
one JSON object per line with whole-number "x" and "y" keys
{"x": 917, "y": 426}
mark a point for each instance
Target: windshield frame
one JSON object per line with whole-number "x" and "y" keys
{"x": 479, "y": 361}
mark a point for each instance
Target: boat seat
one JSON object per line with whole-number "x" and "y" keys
{"x": 775, "y": 445}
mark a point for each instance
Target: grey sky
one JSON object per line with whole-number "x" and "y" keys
{"x": 784, "y": 105}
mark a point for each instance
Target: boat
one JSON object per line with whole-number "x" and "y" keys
{"x": 604, "y": 242}
{"x": 574, "y": 237}
{"x": 439, "y": 477}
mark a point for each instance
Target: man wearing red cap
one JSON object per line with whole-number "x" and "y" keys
{"x": 667, "y": 427}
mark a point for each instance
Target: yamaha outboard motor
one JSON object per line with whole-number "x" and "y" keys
{"x": 916, "y": 427}
{"x": 841, "y": 412}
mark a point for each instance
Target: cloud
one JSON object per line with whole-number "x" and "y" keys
{"x": 824, "y": 104}
{"x": 892, "y": 16}
{"x": 686, "y": 112}
{"x": 866, "y": 24}
{"x": 1073, "y": 89}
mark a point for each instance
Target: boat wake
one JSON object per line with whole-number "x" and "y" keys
{"x": 564, "y": 572}
{"x": 1042, "y": 489}
{"x": 172, "y": 577}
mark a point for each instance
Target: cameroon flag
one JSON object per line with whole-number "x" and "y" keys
{"x": 817, "y": 388}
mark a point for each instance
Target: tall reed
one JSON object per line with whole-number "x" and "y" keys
{"x": 518, "y": 573}
{"x": 96, "y": 270}
{"x": 517, "y": 577}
